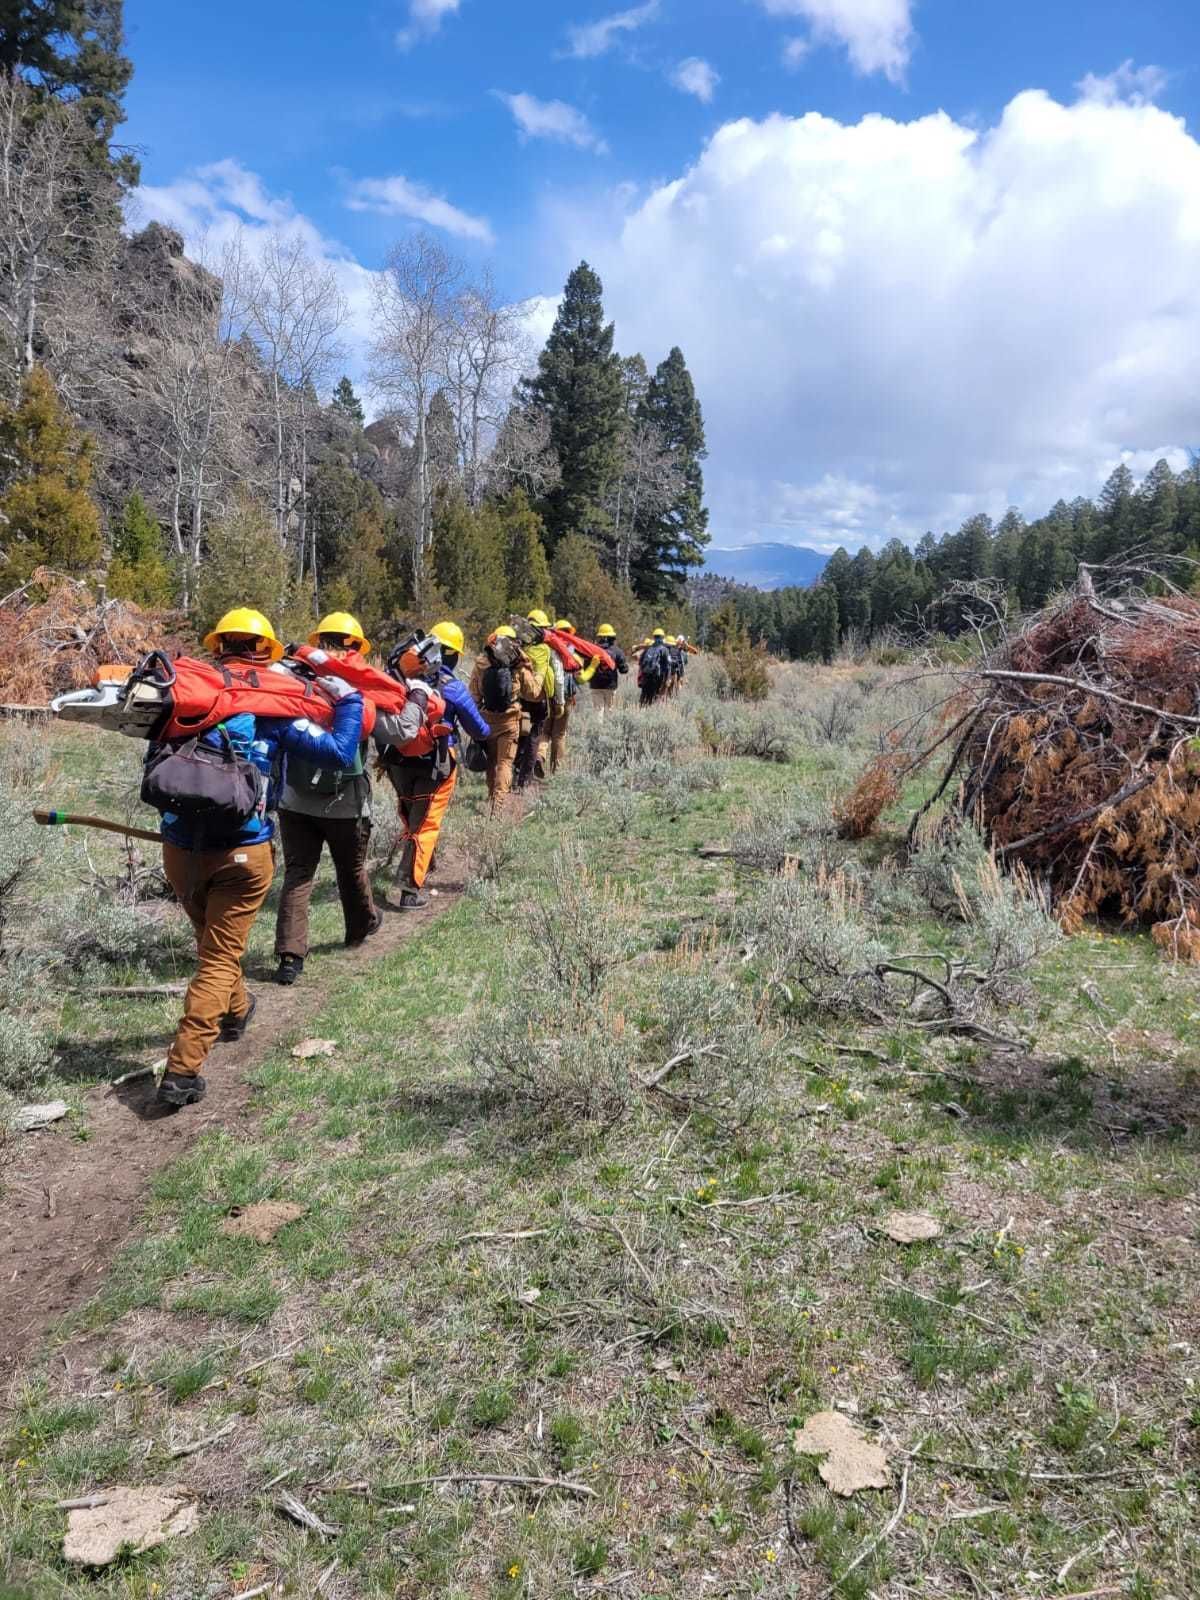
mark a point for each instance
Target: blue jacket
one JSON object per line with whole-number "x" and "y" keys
{"x": 461, "y": 710}
{"x": 264, "y": 740}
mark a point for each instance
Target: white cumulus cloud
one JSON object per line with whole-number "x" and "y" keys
{"x": 1138, "y": 86}
{"x": 696, "y": 76}
{"x": 425, "y": 17}
{"x": 877, "y": 34}
{"x": 552, "y": 119}
{"x": 894, "y": 324}
{"x": 397, "y": 197}
{"x": 588, "y": 39}
{"x": 224, "y": 202}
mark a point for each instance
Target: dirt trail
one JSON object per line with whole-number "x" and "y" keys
{"x": 96, "y": 1186}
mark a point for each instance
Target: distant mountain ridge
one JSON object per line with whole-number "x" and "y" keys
{"x": 766, "y": 566}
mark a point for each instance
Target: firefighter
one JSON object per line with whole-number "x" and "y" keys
{"x": 319, "y": 808}
{"x": 221, "y": 873}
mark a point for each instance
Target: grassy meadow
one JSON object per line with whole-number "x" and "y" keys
{"x": 595, "y": 1190}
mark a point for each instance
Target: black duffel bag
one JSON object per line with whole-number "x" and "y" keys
{"x": 214, "y": 786}
{"x": 475, "y": 756}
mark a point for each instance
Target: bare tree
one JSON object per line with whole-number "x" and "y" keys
{"x": 47, "y": 218}
{"x": 523, "y": 455}
{"x": 416, "y": 299}
{"x": 485, "y": 351}
{"x": 294, "y": 312}
{"x": 648, "y": 482}
{"x": 195, "y": 387}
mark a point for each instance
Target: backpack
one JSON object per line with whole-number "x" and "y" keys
{"x": 212, "y": 786}
{"x": 307, "y": 778}
{"x": 431, "y": 742}
{"x": 656, "y": 664}
{"x": 497, "y": 689}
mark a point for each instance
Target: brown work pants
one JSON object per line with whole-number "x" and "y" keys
{"x": 529, "y": 745}
{"x": 304, "y": 837}
{"x": 422, "y": 801}
{"x": 556, "y": 734}
{"x": 502, "y": 751}
{"x": 222, "y": 892}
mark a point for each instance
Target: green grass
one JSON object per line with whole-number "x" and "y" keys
{"x": 687, "y": 1288}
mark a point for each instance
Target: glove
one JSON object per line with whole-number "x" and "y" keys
{"x": 339, "y": 689}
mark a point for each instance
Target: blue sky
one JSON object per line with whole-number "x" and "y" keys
{"x": 858, "y": 217}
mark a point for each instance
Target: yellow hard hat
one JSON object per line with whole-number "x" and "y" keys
{"x": 670, "y": 639}
{"x": 449, "y": 634}
{"x": 606, "y": 631}
{"x": 659, "y": 634}
{"x": 539, "y": 619}
{"x": 505, "y": 632}
{"x": 563, "y": 626}
{"x": 244, "y": 619}
{"x": 343, "y": 624}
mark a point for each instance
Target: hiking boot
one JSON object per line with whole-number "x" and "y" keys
{"x": 539, "y": 768}
{"x": 413, "y": 900}
{"x": 290, "y": 968}
{"x": 180, "y": 1089}
{"x": 233, "y": 1028}
{"x": 353, "y": 944}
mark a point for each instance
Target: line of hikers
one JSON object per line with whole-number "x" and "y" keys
{"x": 510, "y": 721}
{"x": 662, "y": 663}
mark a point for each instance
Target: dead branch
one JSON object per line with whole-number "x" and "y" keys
{"x": 565, "y": 1485}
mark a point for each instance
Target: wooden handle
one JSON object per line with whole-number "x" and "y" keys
{"x": 50, "y": 819}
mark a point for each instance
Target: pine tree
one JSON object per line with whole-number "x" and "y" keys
{"x": 47, "y": 515}
{"x": 1158, "y": 509}
{"x": 245, "y": 565}
{"x": 585, "y": 594}
{"x": 675, "y": 541}
{"x": 468, "y": 563}
{"x": 350, "y": 524}
{"x": 441, "y": 434}
{"x": 824, "y": 623}
{"x": 578, "y": 385}
{"x": 1117, "y": 514}
{"x": 517, "y": 530}
{"x": 347, "y": 405}
{"x": 138, "y": 570}
{"x": 73, "y": 50}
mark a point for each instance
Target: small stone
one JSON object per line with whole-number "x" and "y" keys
{"x": 852, "y": 1461}
{"x": 130, "y": 1520}
{"x": 911, "y": 1227}
{"x": 30, "y": 1118}
{"x": 261, "y": 1221}
{"x": 307, "y": 1048}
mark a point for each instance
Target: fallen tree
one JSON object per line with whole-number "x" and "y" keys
{"x": 1075, "y": 745}
{"x": 56, "y": 630}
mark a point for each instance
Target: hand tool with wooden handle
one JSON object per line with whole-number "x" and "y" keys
{"x": 49, "y": 819}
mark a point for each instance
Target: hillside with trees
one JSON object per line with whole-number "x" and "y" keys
{"x": 905, "y": 593}
{"x": 184, "y": 432}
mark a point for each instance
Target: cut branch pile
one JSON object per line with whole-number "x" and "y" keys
{"x": 55, "y": 632}
{"x": 1081, "y": 757}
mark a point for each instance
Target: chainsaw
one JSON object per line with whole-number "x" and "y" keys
{"x": 120, "y": 700}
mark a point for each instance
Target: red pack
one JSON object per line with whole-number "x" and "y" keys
{"x": 585, "y": 648}
{"x": 387, "y": 693}
{"x": 201, "y": 694}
